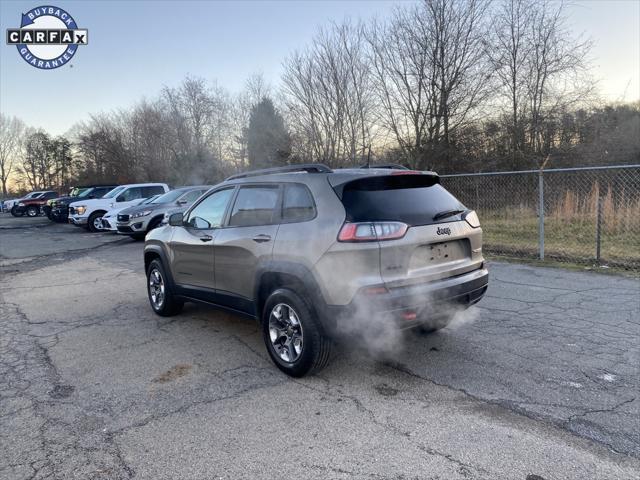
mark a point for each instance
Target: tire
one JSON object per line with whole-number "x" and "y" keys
{"x": 94, "y": 223}
{"x": 155, "y": 223}
{"x": 15, "y": 212}
{"x": 283, "y": 335}
{"x": 33, "y": 211}
{"x": 169, "y": 305}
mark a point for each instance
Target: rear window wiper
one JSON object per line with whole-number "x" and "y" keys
{"x": 447, "y": 213}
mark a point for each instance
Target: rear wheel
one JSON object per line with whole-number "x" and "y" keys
{"x": 32, "y": 211}
{"x": 293, "y": 335}
{"x": 15, "y": 212}
{"x": 94, "y": 224}
{"x": 160, "y": 291}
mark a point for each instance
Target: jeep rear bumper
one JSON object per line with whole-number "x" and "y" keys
{"x": 408, "y": 305}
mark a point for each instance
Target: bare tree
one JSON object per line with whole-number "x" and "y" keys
{"x": 508, "y": 50}
{"x": 431, "y": 73}
{"x": 11, "y": 143}
{"x": 328, "y": 96}
{"x": 541, "y": 67}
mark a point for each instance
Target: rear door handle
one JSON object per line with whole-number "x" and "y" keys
{"x": 261, "y": 238}
{"x": 206, "y": 238}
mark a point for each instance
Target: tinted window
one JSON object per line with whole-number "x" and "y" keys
{"x": 133, "y": 193}
{"x": 210, "y": 212}
{"x": 99, "y": 192}
{"x": 151, "y": 191}
{"x": 114, "y": 192}
{"x": 169, "y": 197}
{"x": 254, "y": 206}
{"x": 297, "y": 205}
{"x": 412, "y": 199}
{"x": 50, "y": 195}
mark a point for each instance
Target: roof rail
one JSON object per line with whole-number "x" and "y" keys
{"x": 395, "y": 166}
{"x": 304, "y": 167}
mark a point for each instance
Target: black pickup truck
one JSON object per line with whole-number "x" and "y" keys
{"x": 58, "y": 209}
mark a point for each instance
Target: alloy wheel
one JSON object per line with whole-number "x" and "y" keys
{"x": 97, "y": 223}
{"x": 285, "y": 332}
{"x": 156, "y": 288}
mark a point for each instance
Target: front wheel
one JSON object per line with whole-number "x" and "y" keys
{"x": 293, "y": 335}
{"x": 94, "y": 223}
{"x": 159, "y": 290}
{"x": 32, "y": 211}
{"x": 15, "y": 212}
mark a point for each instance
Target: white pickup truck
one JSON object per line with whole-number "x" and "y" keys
{"x": 88, "y": 213}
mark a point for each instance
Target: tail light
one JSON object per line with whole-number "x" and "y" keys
{"x": 372, "y": 231}
{"x": 472, "y": 219}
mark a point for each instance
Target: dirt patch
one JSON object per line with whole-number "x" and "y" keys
{"x": 62, "y": 391}
{"x": 385, "y": 390}
{"x": 174, "y": 372}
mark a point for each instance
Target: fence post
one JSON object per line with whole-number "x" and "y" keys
{"x": 598, "y": 227}
{"x": 541, "y": 215}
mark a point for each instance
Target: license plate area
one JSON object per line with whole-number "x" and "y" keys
{"x": 439, "y": 253}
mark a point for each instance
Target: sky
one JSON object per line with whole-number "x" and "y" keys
{"x": 137, "y": 47}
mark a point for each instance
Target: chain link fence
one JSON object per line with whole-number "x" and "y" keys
{"x": 579, "y": 215}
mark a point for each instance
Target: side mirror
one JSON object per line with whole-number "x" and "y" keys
{"x": 176, "y": 220}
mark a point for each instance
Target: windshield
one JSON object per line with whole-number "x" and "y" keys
{"x": 79, "y": 191}
{"x": 114, "y": 192}
{"x": 85, "y": 193}
{"x": 169, "y": 197}
{"x": 149, "y": 200}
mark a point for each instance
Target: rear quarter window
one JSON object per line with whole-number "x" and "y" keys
{"x": 297, "y": 204}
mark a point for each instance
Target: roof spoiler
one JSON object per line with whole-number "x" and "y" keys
{"x": 395, "y": 166}
{"x": 305, "y": 167}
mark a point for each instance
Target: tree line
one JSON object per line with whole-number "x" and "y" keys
{"x": 449, "y": 85}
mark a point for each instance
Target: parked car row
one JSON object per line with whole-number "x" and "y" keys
{"x": 132, "y": 209}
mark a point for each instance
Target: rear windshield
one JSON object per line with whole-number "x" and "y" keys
{"x": 412, "y": 199}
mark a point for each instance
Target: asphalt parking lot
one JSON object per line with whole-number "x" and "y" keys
{"x": 540, "y": 381}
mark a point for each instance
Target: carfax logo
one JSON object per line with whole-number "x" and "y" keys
{"x": 48, "y": 37}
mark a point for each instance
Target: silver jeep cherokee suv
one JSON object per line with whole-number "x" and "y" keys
{"x": 303, "y": 248}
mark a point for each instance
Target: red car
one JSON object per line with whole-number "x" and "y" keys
{"x": 33, "y": 206}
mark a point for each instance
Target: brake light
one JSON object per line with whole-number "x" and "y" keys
{"x": 372, "y": 231}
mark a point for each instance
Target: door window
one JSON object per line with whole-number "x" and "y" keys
{"x": 133, "y": 193}
{"x": 151, "y": 191}
{"x": 255, "y": 206}
{"x": 209, "y": 213}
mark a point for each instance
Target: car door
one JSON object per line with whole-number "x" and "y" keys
{"x": 245, "y": 242}
{"x": 192, "y": 262}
